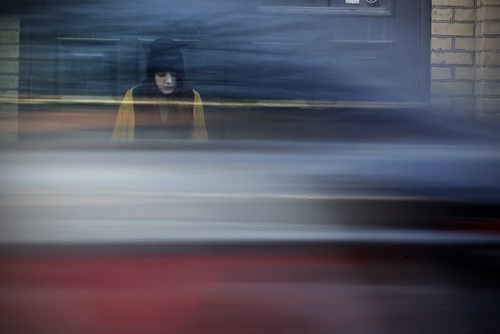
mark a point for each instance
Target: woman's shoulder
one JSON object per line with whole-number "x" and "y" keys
{"x": 129, "y": 94}
{"x": 197, "y": 96}
{"x": 133, "y": 91}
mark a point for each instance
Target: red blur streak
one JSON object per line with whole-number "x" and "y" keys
{"x": 116, "y": 294}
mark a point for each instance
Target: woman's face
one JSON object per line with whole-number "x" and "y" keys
{"x": 165, "y": 81}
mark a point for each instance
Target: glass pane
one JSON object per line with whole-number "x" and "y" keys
{"x": 324, "y": 3}
{"x": 298, "y": 3}
{"x": 86, "y": 69}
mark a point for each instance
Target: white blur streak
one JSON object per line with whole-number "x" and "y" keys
{"x": 140, "y": 232}
{"x": 172, "y": 196}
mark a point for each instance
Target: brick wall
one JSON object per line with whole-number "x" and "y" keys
{"x": 488, "y": 56}
{"x": 9, "y": 77}
{"x": 465, "y": 55}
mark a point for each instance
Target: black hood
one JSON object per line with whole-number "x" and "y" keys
{"x": 165, "y": 55}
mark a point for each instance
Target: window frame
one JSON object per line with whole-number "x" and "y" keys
{"x": 386, "y": 10}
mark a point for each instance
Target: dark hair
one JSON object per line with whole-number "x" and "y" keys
{"x": 165, "y": 56}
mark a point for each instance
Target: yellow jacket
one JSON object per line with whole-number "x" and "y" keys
{"x": 125, "y": 120}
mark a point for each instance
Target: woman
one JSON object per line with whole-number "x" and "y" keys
{"x": 164, "y": 105}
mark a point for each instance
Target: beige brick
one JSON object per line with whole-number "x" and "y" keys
{"x": 9, "y": 51}
{"x": 489, "y": 28}
{"x": 453, "y": 3}
{"x": 488, "y": 58}
{"x": 9, "y": 22}
{"x": 453, "y": 29}
{"x": 440, "y": 73}
{"x": 488, "y": 43}
{"x": 9, "y": 66}
{"x": 451, "y": 88}
{"x": 9, "y": 93}
{"x": 489, "y": 13}
{"x": 8, "y": 82}
{"x": 441, "y": 43}
{"x": 488, "y": 104}
{"x": 8, "y": 110}
{"x": 451, "y": 58}
{"x": 488, "y": 2}
{"x": 468, "y": 44}
{"x": 465, "y": 73}
{"x": 442, "y": 102}
{"x": 439, "y": 14}
{"x": 7, "y": 37}
{"x": 488, "y": 73}
{"x": 465, "y": 14}
{"x": 488, "y": 88}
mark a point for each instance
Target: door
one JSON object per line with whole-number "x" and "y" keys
{"x": 312, "y": 49}
{"x": 373, "y": 51}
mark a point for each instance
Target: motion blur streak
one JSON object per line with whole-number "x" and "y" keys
{"x": 223, "y": 104}
{"x": 328, "y": 198}
{"x": 318, "y": 290}
{"x": 315, "y": 238}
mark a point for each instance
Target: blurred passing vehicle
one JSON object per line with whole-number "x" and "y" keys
{"x": 257, "y": 237}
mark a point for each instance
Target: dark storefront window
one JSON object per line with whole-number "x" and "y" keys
{"x": 330, "y": 6}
